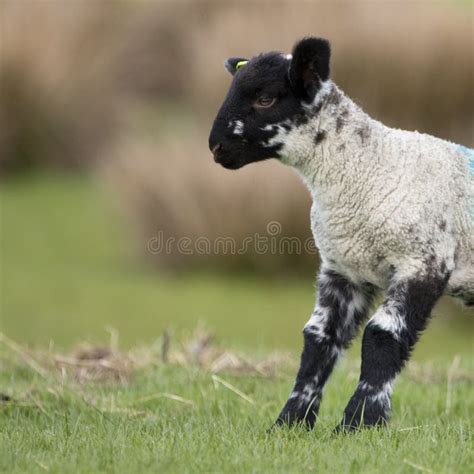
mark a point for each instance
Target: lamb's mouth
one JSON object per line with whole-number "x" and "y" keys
{"x": 229, "y": 162}
{"x": 238, "y": 159}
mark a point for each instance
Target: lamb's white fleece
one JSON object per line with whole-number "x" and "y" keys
{"x": 383, "y": 198}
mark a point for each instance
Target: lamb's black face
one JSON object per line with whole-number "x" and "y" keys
{"x": 260, "y": 95}
{"x": 267, "y": 90}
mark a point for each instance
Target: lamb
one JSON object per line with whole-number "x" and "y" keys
{"x": 392, "y": 212}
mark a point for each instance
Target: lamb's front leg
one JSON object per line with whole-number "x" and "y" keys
{"x": 340, "y": 308}
{"x": 388, "y": 340}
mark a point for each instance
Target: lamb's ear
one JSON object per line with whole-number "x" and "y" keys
{"x": 234, "y": 64}
{"x": 309, "y": 66}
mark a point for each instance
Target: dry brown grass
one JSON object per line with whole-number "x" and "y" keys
{"x": 59, "y": 96}
{"x": 90, "y": 364}
{"x": 97, "y": 364}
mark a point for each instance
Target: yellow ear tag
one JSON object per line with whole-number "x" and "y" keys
{"x": 240, "y": 64}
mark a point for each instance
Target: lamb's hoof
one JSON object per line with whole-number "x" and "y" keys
{"x": 343, "y": 428}
{"x": 289, "y": 420}
{"x": 280, "y": 423}
{"x": 356, "y": 425}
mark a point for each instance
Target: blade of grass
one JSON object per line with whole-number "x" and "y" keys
{"x": 231, "y": 387}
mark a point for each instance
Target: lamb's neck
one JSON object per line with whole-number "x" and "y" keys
{"x": 340, "y": 142}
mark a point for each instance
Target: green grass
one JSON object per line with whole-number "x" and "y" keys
{"x": 132, "y": 428}
{"x": 66, "y": 276}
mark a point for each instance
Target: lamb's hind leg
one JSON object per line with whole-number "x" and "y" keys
{"x": 340, "y": 308}
{"x": 388, "y": 340}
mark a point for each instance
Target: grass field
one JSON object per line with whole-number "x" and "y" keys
{"x": 66, "y": 277}
{"x": 184, "y": 419}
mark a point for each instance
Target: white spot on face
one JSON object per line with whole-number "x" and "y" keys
{"x": 238, "y": 128}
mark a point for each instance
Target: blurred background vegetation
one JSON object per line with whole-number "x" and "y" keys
{"x": 105, "y": 109}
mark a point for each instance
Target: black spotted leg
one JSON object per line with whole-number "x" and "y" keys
{"x": 341, "y": 307}
{"x": 388, "y": 339}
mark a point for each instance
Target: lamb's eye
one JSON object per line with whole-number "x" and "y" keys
{"x": 264, "y": 102}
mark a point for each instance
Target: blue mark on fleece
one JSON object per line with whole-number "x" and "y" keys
{"x": 469, "y": 152}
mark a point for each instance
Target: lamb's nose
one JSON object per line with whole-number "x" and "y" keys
{"x": 215, "y": 150}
